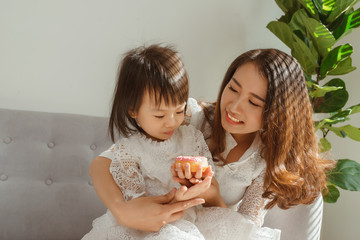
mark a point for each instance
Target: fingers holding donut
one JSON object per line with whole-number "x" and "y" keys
{"x": 189, "y": 167}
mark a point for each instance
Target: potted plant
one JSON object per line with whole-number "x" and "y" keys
{"x": 311, "y": 29}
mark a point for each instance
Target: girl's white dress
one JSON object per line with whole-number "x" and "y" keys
{"x": 141, "y": 167}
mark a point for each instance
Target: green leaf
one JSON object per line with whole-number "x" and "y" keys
{"x": 351, "y": 132}
{"x": 327, "y": 5}
{"x": 332, "y": 101}
{"x": 282, "y": 31}
{"x": 336, "y": 130}
{"x": 334, "y": 57}
{"x": 335, "y": 24}
{"x": 346, "y": 131}
{"x": 328, "y": 122}
{"x": 348, "y": 111}
{"x": 318, "y": 4}
{"x": 349, "y": 22}
{"x": 332, "y": 195}
{"x": 345, "y": 175}
{"x": 321, "y": 37}
{"x": 354, "y": 109}
{"x": 304, "y": 56}
{"x": 325, "y": 145}
{"x": 340, "y": 117}
{"x": 287, "y": 5}
{"x": 340, "y": 7}
{"x": 310, "y": 8}
{"x": 321, "y": 91}
{"x": 343, "y": 67}
{"x": 320, "y": 124}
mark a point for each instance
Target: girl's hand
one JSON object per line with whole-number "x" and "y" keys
{"x": 186, "y": 178}
{"x": 185, "y": 193}
{"x": 151, "y": 213}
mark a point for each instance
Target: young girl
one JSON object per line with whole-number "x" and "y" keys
{"x": 148, "y": 109}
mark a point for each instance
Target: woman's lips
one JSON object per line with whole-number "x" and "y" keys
{"x": 232, "y": 120}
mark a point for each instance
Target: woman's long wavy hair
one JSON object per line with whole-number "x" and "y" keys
{"x": 295, "y": 171}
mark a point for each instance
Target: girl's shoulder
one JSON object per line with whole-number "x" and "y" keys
{"x": 188, "y": 130}
{"x": 193, "y": 110}
{"x": 199, "y": 114}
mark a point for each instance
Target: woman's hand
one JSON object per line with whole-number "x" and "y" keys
{"x": 208, "y": 190}
{"x": 185, "y": 193}
{"x": 212, "y": 196}
{"x": 151, "y": 213}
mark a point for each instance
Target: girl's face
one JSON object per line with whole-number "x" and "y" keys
{"x": 243, "y": 100}
{"x": 158, "y": 122}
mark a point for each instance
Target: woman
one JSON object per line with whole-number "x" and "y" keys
{"x": 260, "y": 131}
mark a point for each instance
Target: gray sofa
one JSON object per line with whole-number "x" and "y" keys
{"x": 46, "y": 191}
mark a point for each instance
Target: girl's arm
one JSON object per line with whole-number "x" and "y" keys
{"x": 143, "y": 213}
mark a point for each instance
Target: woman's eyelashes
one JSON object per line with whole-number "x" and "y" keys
{"x": 236, "y": 91}
{"x": 252, "y": 103}
{"x": 232, "y": 89}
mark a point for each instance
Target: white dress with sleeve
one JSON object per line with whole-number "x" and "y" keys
{"x": 141, "y": 167}
{"x": 241, "y": 187}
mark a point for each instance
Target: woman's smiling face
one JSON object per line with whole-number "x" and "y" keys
{"x": 243, "y": 100}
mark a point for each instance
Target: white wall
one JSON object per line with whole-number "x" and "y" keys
{"x": 62, "y": 56}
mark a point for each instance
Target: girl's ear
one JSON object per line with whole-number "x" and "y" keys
{"x": 132, "y": 114}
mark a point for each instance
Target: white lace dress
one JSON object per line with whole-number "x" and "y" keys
{"x": 241, "y": 187}
{"x": 141, "y": 167}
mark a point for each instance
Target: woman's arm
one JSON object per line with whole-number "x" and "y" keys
{"x": 143, "y": 213}
{"x": 253, "y": 204}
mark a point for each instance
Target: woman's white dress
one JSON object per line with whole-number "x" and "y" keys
{"x": 141, "y": 167}
{"x": 241, "y": 187}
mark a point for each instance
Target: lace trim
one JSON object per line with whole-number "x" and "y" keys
{"x": 253, "y": 204}
{"x": 224, "y": 223}
{"x": 126, "y": 172}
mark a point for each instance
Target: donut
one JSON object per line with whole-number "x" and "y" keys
{"x": 194, "y": 161}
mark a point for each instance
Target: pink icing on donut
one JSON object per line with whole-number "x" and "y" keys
{"x": 194, "y": 161}
{"x": 191, "y": 158}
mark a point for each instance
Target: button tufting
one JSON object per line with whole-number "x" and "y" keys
{"x": 3, "y": 177}
{"x": 90, "y": 182}
{"x": 48, "y": 181}
{"x": 51, "y": 145}
{"x": 7, "y": 140}
{"x": 93, "y": 147}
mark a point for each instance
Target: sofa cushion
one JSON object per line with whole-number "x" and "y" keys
{"x": 46, "y": 191}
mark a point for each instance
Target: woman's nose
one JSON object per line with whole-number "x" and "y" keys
{"x": 237, "y": 105}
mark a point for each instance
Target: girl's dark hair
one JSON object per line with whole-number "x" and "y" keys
{"x": 156, "y": 69}
{"x": 295, "y": 171}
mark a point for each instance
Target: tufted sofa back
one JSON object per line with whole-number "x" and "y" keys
{"x": 45, "y": 188}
